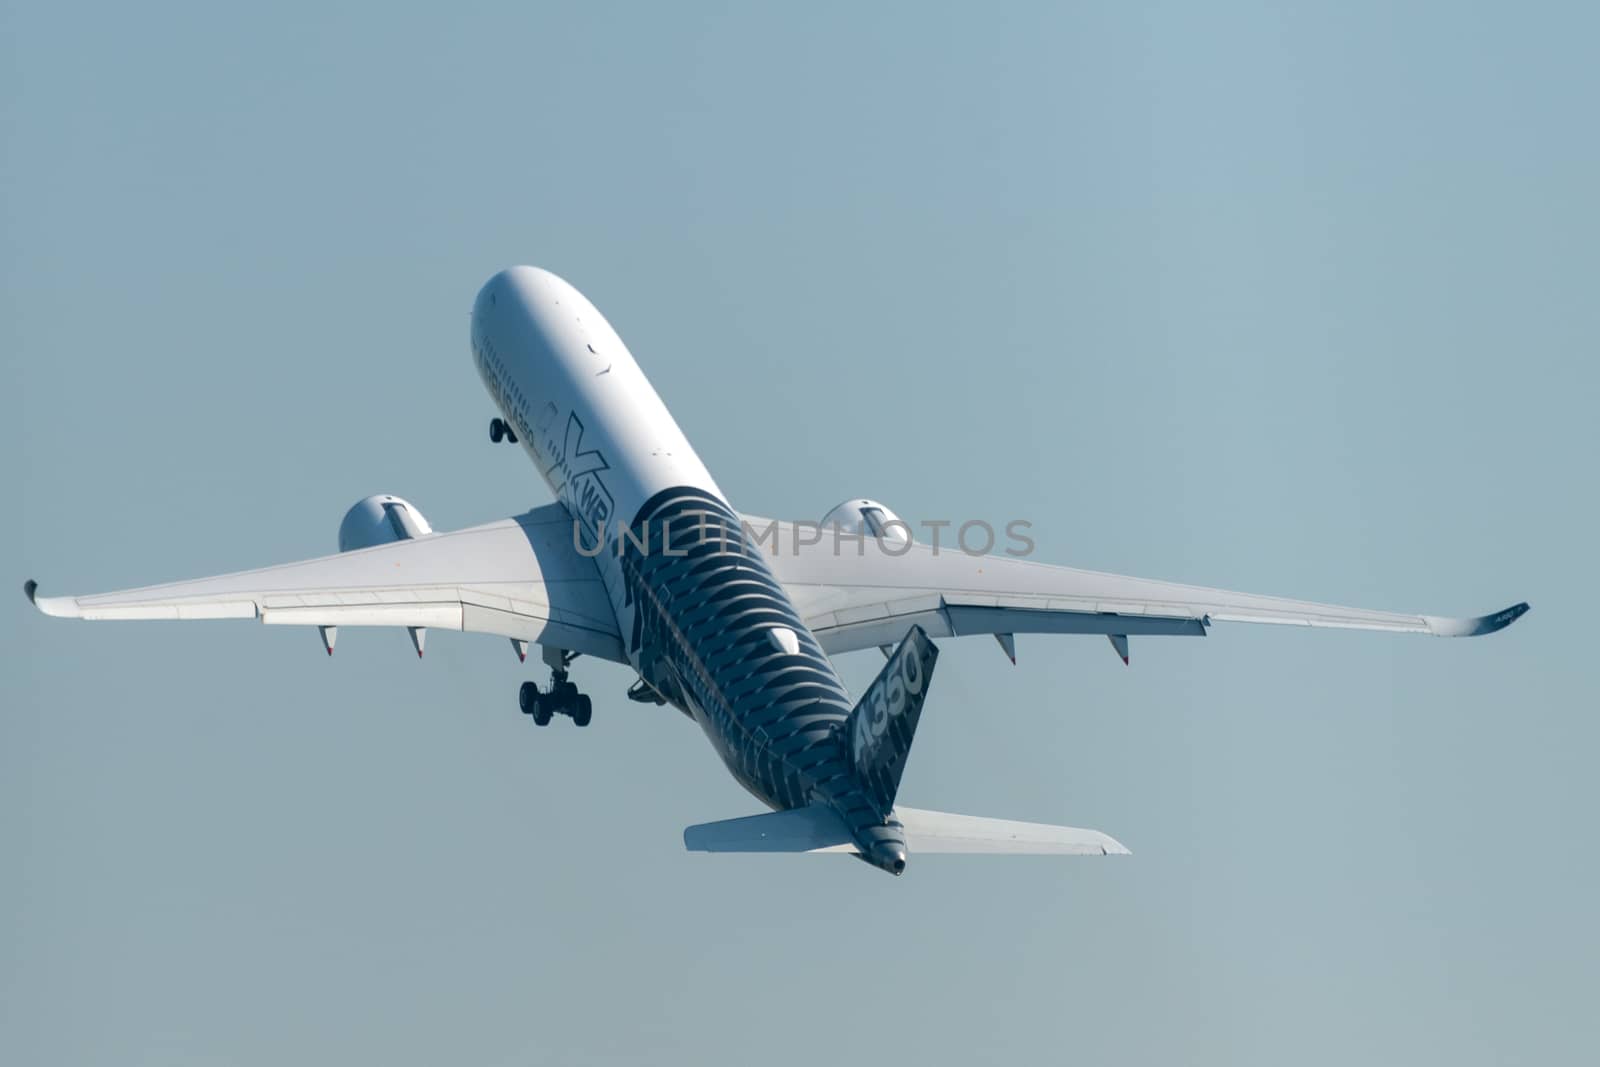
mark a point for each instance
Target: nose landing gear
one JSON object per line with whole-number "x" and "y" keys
{"x": 500, "y": 430}
{"x": 561, "y": 696}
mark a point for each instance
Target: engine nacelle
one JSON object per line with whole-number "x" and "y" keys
{"x": 381, "y": 520}
{"x": 870, "y": 519}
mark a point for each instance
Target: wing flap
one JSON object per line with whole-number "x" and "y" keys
{"x": 442, "y": 616}
{"x": 71, "y": 608}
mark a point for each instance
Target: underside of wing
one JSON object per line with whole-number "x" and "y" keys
{"x": 519, "y": 578}
{"x": 860, "y": 595}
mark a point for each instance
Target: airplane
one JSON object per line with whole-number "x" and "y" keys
{"x": 641, "y": 560}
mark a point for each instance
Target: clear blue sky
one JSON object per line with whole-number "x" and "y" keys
{"x": 1289, "y": 301}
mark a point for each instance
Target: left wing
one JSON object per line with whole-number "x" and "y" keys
{"x": 519, "y": 578}
{"x": 853, "y": 601}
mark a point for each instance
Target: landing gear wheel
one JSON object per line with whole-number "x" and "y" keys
{"x": 532, "y": 702}
{"x": 497, "y": 430}
{"x": 560, "y": 697}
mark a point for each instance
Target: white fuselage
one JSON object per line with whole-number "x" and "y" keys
{"x": 568, "y": 385}
{"x": 583, "y": 411}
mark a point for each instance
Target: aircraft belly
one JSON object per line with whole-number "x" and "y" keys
{"x": 701, "y": 617}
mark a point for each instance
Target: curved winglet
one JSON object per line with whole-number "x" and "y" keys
{"x": 1484, "y": 624}
{"x": 64, "y": 607}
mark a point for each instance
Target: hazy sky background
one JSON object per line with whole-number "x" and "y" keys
{"x": 1294, "y": 301}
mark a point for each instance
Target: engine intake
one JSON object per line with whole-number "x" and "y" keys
{"x": 869, "y": 518}
{"x": 381, "y": 520}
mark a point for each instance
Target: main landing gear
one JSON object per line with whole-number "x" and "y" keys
{"x": 562, "y": 696}
{"x": 500, "y": 430}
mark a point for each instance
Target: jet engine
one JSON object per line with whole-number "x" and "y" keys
{"x": 868, "y": 518}
{"x": 381, "y": 520}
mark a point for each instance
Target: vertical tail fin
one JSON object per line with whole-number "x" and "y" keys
{"x": 881, "y": 726}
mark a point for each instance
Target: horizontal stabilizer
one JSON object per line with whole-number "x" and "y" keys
{"x": 818, "y": 829}
{"x": 813, "y": 829}
{"x": 939, "y": 831}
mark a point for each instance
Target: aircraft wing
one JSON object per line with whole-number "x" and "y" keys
{"x": 519, "y": 578}
{"x": 853, "y": 601}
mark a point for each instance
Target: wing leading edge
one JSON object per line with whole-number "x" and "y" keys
{"x": 519, "y": 578}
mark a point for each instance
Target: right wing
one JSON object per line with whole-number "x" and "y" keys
{"x": 853, "y": 599}
{"x": 519, "y": 578}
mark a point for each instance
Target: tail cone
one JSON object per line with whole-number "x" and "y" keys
{"x": 890, "y": 855}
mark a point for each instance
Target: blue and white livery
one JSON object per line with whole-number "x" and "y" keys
{"x": 643, "y": 561}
